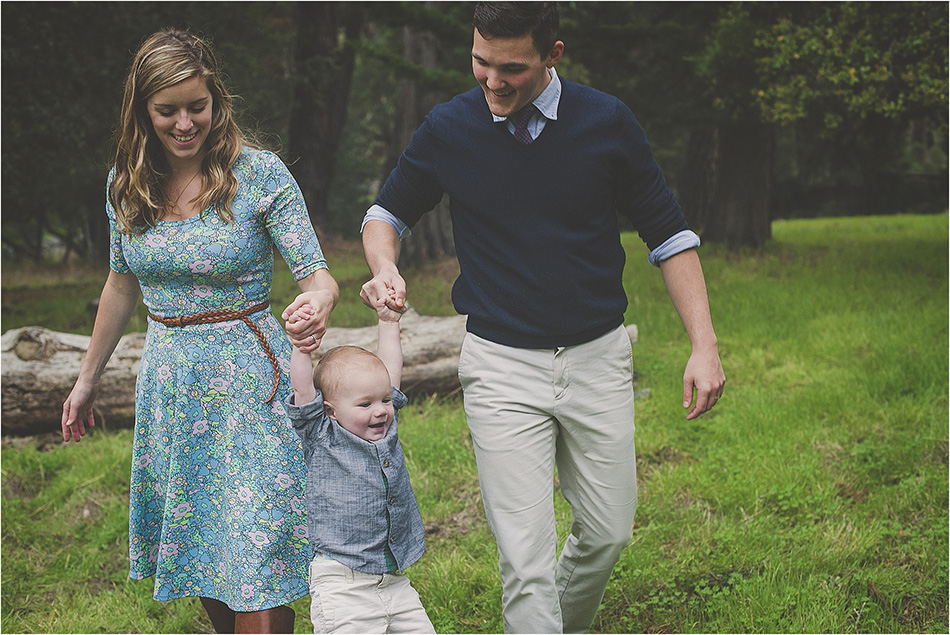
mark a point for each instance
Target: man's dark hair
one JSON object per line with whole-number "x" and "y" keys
{"x": 515, "y": 19}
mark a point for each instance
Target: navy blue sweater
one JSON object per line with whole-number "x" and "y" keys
{"x": 535, "y": 225}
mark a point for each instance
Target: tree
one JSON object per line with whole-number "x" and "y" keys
{"x": 717, "y": 83}
{"x": 430, "y": 34}
{"x": 324, "y": 63}
{"x": 63, "y": 69}
{"x": 863, "y": 70}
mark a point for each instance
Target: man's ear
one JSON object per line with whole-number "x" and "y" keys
{"x": 555, "y": 55}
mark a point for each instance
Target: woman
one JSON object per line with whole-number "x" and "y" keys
{"x": 216, "y": 503}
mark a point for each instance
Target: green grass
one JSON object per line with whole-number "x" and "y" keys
{"x": 813, "y": 499}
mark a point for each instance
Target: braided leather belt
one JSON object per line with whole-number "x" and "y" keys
{"x": 224, "y": 315}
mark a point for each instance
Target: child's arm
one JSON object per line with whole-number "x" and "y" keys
{"x": 301, "y": 377}
{"x": 301, "y": 371}
{"x": 389, "y": 348}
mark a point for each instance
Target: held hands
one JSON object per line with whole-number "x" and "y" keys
{"x": 305, "y": 319}
{"x": 704, "y": 374}
{"x": 300, "y": 320}
{"x": 383, "y": 310}
{"x": 386, "y": 287}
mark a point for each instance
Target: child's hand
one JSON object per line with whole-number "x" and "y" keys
{"x": 384, "y": 313}
{"x": 302, "y": 314}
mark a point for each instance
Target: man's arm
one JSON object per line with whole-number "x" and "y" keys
{"x": 684, "y": 280}
{"x": 381, "y": 249}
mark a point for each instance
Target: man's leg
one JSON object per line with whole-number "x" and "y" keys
{"x": 596, "y": 469}
{"x": 508, "y": 396}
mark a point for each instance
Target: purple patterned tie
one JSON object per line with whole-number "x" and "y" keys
{"x": 520, "y": 120}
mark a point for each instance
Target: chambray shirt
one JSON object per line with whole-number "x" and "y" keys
{"x": 359, "y": 500}
{"x": 546, "y": 104}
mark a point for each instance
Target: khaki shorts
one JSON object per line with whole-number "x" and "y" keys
{"x": 346, "y": 601}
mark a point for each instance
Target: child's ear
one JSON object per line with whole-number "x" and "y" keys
{"x": 329, "y": 409}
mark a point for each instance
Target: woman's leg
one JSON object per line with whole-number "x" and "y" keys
{"x": 222, "y": 617}
{"x": 279, "y": 619}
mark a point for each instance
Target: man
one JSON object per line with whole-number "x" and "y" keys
{"x": 546, "y": 365}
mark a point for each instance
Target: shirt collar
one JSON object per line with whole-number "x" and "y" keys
{"x": 547, "y": 101}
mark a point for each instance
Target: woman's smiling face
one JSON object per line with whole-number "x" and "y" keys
{"x": 181, "y": 118}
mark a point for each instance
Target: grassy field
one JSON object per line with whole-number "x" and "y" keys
{"x": 813, "y": 499}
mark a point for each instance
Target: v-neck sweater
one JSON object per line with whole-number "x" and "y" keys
{"x": 535, "y": 225}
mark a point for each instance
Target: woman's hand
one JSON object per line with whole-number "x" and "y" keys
{"x": 305, "y": 319}
{"x": 77, "y": 411}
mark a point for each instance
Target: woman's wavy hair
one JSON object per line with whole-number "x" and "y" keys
{"x": 139, "y": 187}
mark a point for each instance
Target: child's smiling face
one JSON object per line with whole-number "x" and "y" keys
{"x": 362, "y": 402}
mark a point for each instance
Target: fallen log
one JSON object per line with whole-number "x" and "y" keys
{"x": 39, "y": 368}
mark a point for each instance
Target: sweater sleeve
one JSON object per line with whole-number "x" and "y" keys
{"x": 642, "y": 195}
{"x": 413, "y": 187}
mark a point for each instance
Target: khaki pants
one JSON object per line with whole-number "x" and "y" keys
{"x": 529, "y": 410}
{"x": 346, "y": 601}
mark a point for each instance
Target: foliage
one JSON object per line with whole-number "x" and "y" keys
{"x": 64, "y": 65}
{"x": 854, "y": 59}
{"x": 863, "y": 87}
{"x": 813, "y": 499}
{"x": 847, "y": 148}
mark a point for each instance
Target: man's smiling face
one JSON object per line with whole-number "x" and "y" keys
{"x": 510, "y": 71}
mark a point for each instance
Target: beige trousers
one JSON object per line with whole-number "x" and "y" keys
{"x": 531, "y": 410}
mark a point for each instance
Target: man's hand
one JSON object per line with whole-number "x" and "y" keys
{"x": 705, "y": 376}
{"x": 387, "y": 288}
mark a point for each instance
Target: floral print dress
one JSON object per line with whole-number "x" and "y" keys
{"x": 217, "y": 490}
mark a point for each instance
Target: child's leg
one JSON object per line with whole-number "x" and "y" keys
{"x": 407, "y": 614}
{"x": 343, "y": 600}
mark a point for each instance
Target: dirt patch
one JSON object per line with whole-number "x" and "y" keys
{"x": 459, "y": 523}
{"x": 659, "y": 459}
{"x": 46, "y": 442}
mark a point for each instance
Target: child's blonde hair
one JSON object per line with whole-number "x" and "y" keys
{"x": 339, "y": 361}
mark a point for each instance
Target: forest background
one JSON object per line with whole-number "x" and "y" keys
{"x": 813, "y": 500}
{"x": 756, "y": 111}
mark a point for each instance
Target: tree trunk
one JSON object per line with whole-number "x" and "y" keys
{"x": 40, "y": 367}
{"x": 324, "y": 71}
{"x": 728, "y": 198}
{"x": 432, "y": 236}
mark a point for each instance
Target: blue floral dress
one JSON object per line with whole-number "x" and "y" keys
{"x": 217, "y": 492}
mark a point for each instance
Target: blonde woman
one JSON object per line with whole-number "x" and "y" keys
{"x": 216, "y": 502}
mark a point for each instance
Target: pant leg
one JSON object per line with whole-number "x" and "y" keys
{"x": 508, "y": 397}
{"x": 345, "y": 601}
{"x": 596, "y": 463}
{"x": 406, "y": 613}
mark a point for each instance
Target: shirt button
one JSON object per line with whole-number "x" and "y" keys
{"x": 392, "y": 501}
{"x": 385, "y": 463}
{"x": 392, "y": 540}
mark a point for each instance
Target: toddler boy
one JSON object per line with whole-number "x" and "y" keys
{"x": 363, "y": 520}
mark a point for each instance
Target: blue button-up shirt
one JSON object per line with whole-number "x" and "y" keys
{"x": 360, "y": 504}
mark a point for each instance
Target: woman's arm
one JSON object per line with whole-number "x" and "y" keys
{"x": 117, "y": 302}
